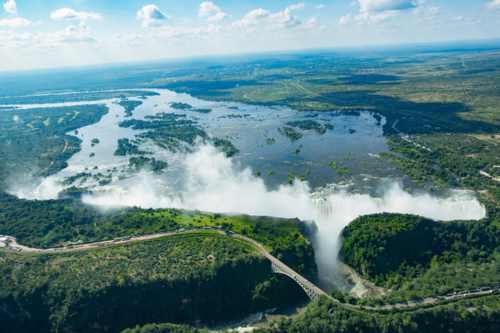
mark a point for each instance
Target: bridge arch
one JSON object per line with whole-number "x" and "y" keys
{"x": 310, "y": 289}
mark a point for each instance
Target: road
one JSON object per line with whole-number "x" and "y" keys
{"x": 408, "y": 138}
{"x": 11, "y": 244}
{"x": 487, "y": 175}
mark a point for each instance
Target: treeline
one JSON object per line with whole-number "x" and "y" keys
{"x": 163, "y": 328}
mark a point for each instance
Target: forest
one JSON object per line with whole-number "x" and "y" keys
{"x": 415, "y": 257}
{"x": 181, "y": 279}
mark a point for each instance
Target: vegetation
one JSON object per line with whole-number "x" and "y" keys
{"x": 323, "y": 316}
{"x": 80, "y": 96}
{"x": 202, "y": 110}
{"x": 129, "y": 106}
{"x": 440, "y": 112}
{"x": 141, "y": 162}
{"x": 226, "y": 146}
{"x": 417, "y": 257}
{"x": 341, "y": 170}
{"x": 171, "y": 131}
{"x": 127, "y": 147}
{"x": 163, "y": 328}
{"x": 36, "y": 141}
{"x": 180, "y": 106}
{"x": 167, "y": 130}
{"x": 466, "y": 161}
{"x": 310, "y": 125}
{"x": 202, "y": 277}
{"x": 291, "y": 133}
{"x": 188, "y": 107}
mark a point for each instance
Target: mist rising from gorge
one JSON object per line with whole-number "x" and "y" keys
{"x": 211, "y": 182}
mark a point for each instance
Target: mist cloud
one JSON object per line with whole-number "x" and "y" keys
{"x": 212, "y": 182}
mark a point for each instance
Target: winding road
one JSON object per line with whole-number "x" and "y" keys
{"x": 10, "y": 244}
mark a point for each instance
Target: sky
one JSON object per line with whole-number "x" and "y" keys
{"x": 60, "y": 33}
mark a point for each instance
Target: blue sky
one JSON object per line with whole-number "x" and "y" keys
{"x": 53, "y": 33}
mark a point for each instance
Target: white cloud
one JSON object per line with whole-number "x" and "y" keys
{"x": 68, "y": 14}
{"x": 285, "y": 18}
{"x": 494, "y": 4}
{"x": 36, "y": 41}
{"x": 427, "y": 12}
{"x": 10, "y": 7}
{"x": 346, "y": 19}
{"x": 253, "y": 18}
{"x": 376, "y": 11}
{"x": 15, "y": 22}
{"x": 312, "y": 23}
{"x": 151, "y": 16}
{"x": 74, "y": 34}
{"x": 375, "y": 6}
{"x": 260, "y": 17}
{"x": 211, "y": 12}
{"x": 363, "y": 18}
{"x": 180, "y": 32}
{"x": 296, "y": 6}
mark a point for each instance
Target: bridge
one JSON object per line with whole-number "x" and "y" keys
{"x": 278, "y": 267}
{"x": 310, "y": 289}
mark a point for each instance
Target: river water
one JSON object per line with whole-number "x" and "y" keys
{"x": 353, "y": 141}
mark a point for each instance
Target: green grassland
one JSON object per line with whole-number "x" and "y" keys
{"x": 203, "y": 277}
